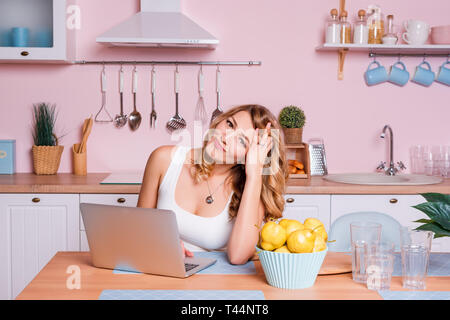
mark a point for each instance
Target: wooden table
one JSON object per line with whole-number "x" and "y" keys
{"x": 50, "y": 283}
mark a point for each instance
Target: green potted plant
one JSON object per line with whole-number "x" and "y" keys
{"x": 437, "y": 208}
{"x": 292, "y": 119}
{"x": 46, "y": 151}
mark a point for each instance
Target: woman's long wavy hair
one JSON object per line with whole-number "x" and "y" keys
{"x": 275, "y": 175}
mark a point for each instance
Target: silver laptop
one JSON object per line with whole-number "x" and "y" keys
{"x": 137, "y": 239}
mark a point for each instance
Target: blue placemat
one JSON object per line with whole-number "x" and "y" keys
{"x": 414, "y": 295}
{"x": 181, "y": 295}
{"x": 222, "y": 266}
{"x": 438, "y": 265}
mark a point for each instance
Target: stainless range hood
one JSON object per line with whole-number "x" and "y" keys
{"x": 160, "y": 23}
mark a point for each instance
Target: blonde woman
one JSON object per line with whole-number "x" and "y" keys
{"x": 221, "y": 193}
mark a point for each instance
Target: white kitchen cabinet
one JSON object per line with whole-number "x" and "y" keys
{"x": 397, "y": 206}
{"x": 304, "y": 206}
{"x": 50, "y": 25}
{"x": 126, "y": 200}
{"x": 33, "y": 227}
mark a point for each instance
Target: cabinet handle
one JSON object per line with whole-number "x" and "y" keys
{"x": 290, "y": 200}
{"x": 393, "y": 200}
{"x": 121, "y": 200}
{"x": 24, "y": 53}
{"x": 36, "y": 200}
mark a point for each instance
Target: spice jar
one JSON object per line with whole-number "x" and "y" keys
{"x": 390, "y": 37}
{"x": 360, "y": 30}
{"x": 332, "y": 28}
{"x": 375, "y": 23}
{"x": 346, "y": 28}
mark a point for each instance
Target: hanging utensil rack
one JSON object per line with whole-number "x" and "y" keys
{"x": 204, "y": 63}
{"x": 420, "y": 55}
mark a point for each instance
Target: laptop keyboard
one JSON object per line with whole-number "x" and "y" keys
{"x": 190, "y": 266}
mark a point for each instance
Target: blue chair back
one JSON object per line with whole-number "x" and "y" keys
{"x": 340, "y": 229}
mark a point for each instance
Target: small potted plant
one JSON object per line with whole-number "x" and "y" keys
{"x": 46, "y": 151}
{"x": 292, "y": 119}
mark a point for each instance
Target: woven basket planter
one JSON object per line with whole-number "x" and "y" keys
{"x": 293, "y": 135}
{"x": 46, "y": 159}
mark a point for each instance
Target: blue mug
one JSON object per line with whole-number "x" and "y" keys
{"x": 19, "y": 37}
{"x": 424, "y": 76}
{"x": 399, "y": 76}
{"x": 444, "y": 74}
{"x": 376, "y": 75}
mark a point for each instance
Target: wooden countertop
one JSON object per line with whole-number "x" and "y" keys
{"x": 69, "y": 183}
{"x": 50, "y": 283}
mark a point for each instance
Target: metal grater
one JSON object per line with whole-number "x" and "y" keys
{"x": 318, "y": 160}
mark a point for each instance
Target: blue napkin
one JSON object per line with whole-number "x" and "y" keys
{"x": 414, "y": 295}
{"x": 222, "y": 266}
{"x": 181, "y": 295}
{"x": 438, "y": 265}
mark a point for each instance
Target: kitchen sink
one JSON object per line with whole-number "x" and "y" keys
{"x": 383, "y": 179}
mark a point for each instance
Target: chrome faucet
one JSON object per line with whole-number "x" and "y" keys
{"x": 392, "y": 169}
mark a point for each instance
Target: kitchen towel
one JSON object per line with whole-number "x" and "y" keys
{"x": 222, "y": 266}
{"x": 414, "y": 295}
{"x": 438, "y": 265}
{"x": 181, "y": 295}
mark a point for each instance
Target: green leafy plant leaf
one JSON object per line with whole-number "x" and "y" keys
{"x": 424, "y": 221}
{"x": 437, "y": 211}
{"x": 292, "y": 117}
{"x": 436, "y": 228}
{"x": 436, "y": 197}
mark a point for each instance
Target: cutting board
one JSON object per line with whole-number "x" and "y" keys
{"x": 124, "y": 178}
{"x": 336, "y": 263}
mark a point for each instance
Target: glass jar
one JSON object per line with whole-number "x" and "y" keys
{"x": 332, "y": 28}
{"x": 360, "y": 30}
{"x": 346, "y": 28}
{"x": 390, "y": 37}
{"x": 375, "y": 23}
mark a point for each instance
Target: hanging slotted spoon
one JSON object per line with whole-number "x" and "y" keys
{"x": 200, "y": 111}
{"x": 176, "y": 122}
{"x": 134, "y": 120}
{"x": 218, "y": 111}
{"x": 121, "y": 119}
{"x": 103, "y": 80}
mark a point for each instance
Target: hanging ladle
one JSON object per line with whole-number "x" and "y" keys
{"x": 135, "y": 118}
{"x": 121, "y": 119}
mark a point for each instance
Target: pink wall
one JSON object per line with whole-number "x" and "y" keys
{"x": 283, "y": 35}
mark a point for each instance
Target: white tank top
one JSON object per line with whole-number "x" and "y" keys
{"x": 198, "y": 233}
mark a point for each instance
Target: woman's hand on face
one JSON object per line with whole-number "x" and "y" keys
{"x": 186, "y": 252}
{"x": 257, "y": 152}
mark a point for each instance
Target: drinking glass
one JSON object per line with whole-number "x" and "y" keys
{"x": 362, "y": 233}
{"x": 379, "y": 262}
{"x": 415, "y": 252}
{"x": 417, "y": 157}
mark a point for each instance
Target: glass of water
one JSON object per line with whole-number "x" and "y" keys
{"x": 379, "y": 262}
{"x": 361, "y": 234}
{"x": 415, "y": 252}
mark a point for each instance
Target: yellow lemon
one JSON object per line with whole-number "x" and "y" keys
{"x": 312, "y": 223}
{"x": 290, "y": 225}
{"x": 283, "y": 249}
{"x": 301, "y": 241}
{"x": 317, "y": 227}
{"x": 273, "y": 236}
{"x": 321, "y": 232}
{"x": 319, "y": 244}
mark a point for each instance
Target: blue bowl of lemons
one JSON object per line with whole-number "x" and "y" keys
{"x": 291, "y": 253}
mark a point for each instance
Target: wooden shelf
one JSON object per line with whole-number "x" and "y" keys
{"x": 295, "y": 146}
{"x": 393, "y": 49}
